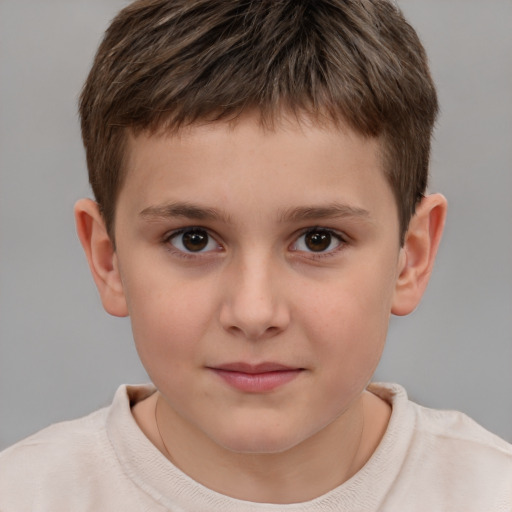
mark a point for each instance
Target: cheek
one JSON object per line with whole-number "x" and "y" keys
{"x": 168, "y": 319}
{"x": 351, "y": 332}
{"x": 348, "y": 324}
{"x": 348, "y": 351}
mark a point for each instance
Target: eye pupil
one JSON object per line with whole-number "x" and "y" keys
{"x": 195, "y": 240}
{"x": 318, "y": 241}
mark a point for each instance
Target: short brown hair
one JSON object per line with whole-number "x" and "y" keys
{"x": 164, "y": 64}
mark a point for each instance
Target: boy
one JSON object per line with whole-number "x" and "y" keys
{"x": 259, "y": 170}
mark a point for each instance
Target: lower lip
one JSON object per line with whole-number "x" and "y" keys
{"x": 257, "y": 382}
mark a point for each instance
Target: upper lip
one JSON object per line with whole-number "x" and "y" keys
{"x": 254, "y": 368}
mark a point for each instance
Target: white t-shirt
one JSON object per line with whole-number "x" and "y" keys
{"x": 427, "y": 461}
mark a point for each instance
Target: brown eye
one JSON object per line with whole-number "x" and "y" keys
{"x": 193, "y": 240}
{"x": 318, "y": 241}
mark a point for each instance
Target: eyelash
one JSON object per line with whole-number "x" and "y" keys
{"x": 333, "y": 234}
{"x": 191, "y": 254}
{"x": 341, "y": 239}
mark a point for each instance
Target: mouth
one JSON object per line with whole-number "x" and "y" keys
{"x": 259, "y": 378}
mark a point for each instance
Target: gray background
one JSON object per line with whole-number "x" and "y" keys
{"x": 61, "y": 356}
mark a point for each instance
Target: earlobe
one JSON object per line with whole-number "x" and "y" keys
{"x": 101, "y": 256}
{"x": 418, "y": 253}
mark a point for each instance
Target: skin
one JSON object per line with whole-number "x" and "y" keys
{"x": 257, "y": 292}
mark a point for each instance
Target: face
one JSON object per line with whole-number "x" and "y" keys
{"x": 259, "y": 268}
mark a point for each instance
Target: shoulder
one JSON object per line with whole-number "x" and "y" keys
{"x": 451, "y": 460}
{"x": 457, "y": 433}
{"x": 56, "y": 454}
{"x": 440, "y": 426}
{"x": 75, "y": 435}
{"x": 65, "y": 465}
{"x": 468, "y": 460}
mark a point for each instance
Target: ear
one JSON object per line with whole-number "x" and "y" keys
{"x": 101, "y": 256}
{"x": 418, "y": 253}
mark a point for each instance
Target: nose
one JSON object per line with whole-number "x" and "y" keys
{"x": 253, "y": 304}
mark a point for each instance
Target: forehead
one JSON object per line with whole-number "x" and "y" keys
{"x": 255, "y": 123}
{"x": 253, "y": 126}
{"x": 290, "y": 164}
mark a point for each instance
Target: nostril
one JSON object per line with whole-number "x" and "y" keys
{"x": 254, "y": 334}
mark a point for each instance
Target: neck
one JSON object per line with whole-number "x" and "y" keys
{"x": 301, "y": 473}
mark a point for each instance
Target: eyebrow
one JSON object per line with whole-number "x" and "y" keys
{"x": 330, "y": 211}
{"x": 196, "y": 212}
{"x": 182, "y": 209}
